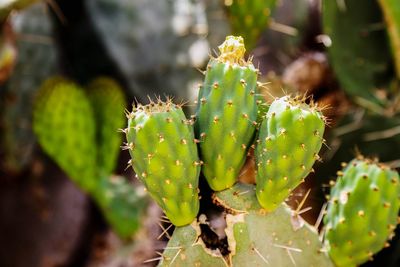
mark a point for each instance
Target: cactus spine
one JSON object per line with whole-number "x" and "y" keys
{"x": 226, "y": 114}
{"x": 164, "y": 156}
{"x": 290, "y": 138}
{"x": 362, "y": 211}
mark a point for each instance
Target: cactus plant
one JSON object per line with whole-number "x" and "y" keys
{"x": 226, "y": 114}
{"x": 255, "y": 237}
{"x": 249, "y": 18}
{"x": 67, "y": 121}
{"x": 164, "y": 156}
{"x": 290, "y": 138}
{"x": 64, "y": 125}
{"x": 359, "y": 50}
{"x": 107, "y": 100}
{"x": 362, "y": 211}
{"x": 260, "y": 228}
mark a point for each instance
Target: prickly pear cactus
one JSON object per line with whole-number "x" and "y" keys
{"x": 391, "y": 12}
{"x": 362, "y": 211}
{"x": 226, "y": 114}
{"x": 290, "y": 138}
{"x": 186, "y": 249}
{"x": 359, "y": 51}
{"x": 249, "y": 18}
{"x": 121, "y": 204}
{"x": 255, "y": 237}
{"x": 164, "y": 156}
{"x": 108, "y": 102}
{"x": 63, "y": 123}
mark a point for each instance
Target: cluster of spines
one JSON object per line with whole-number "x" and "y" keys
{"x": 362, "y": 211}
{"x": 226, "y": 114}
{"x": 165, "y": 158}
{"x": 289, "y": 140}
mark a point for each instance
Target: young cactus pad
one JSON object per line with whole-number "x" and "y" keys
{"x": 289, "y": 141}
{"x": 63, "y": 123}
{"x": 249, "y": 18}
{"x": 226, "y": 114}
{"x": 108, "y": 102}
{"x": 362, "y": 212}
{"x": 164, "y": 156}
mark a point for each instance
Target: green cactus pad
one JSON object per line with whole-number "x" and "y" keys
{"x": 108, "y": 102}
{"x": 121, "y": 205}
{"x": 290, "y": 138}
{"x": 186, "y": 248}
{"x": 226, "y": 114}
{"x": 249, "y": 18}
{"x": 358, "y": 48}
{"x": 362, "y": 212}
{"x": 255, "y": 237}
{"x": 64, "y": 125}
{"x": 164, "y": 156}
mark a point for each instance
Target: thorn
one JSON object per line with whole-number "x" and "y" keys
{"x": 259, "y": 254}
{"x": 320, "y": 216}
{"x": 216, "y": 119}
{"x": 153, "y": 259}
{"x": 164, "y": 231}
{"x": 179, "y": 251}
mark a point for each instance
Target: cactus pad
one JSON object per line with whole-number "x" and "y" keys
{"x": 289, "y": 141}
{"x": 226, "y": 114}
{"x": 186, "y": 249}
{"x": 164, "y": 156}
{"x": 108, "y": 102}
{"x": 249, "y": 18}
{"x": 255, "y": 238}
{"x": 362, "y": 212}
{"x": 359, "y": 51}
{"x": 63, "y": 123}
{"x": 121, "y": 204}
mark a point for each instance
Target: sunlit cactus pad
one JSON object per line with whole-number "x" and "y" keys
{"x": 164, "y": 156}
{"x": 362, "y": 212}
{"x": 289, "y": 140}
{"x": 226, "y": 114}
